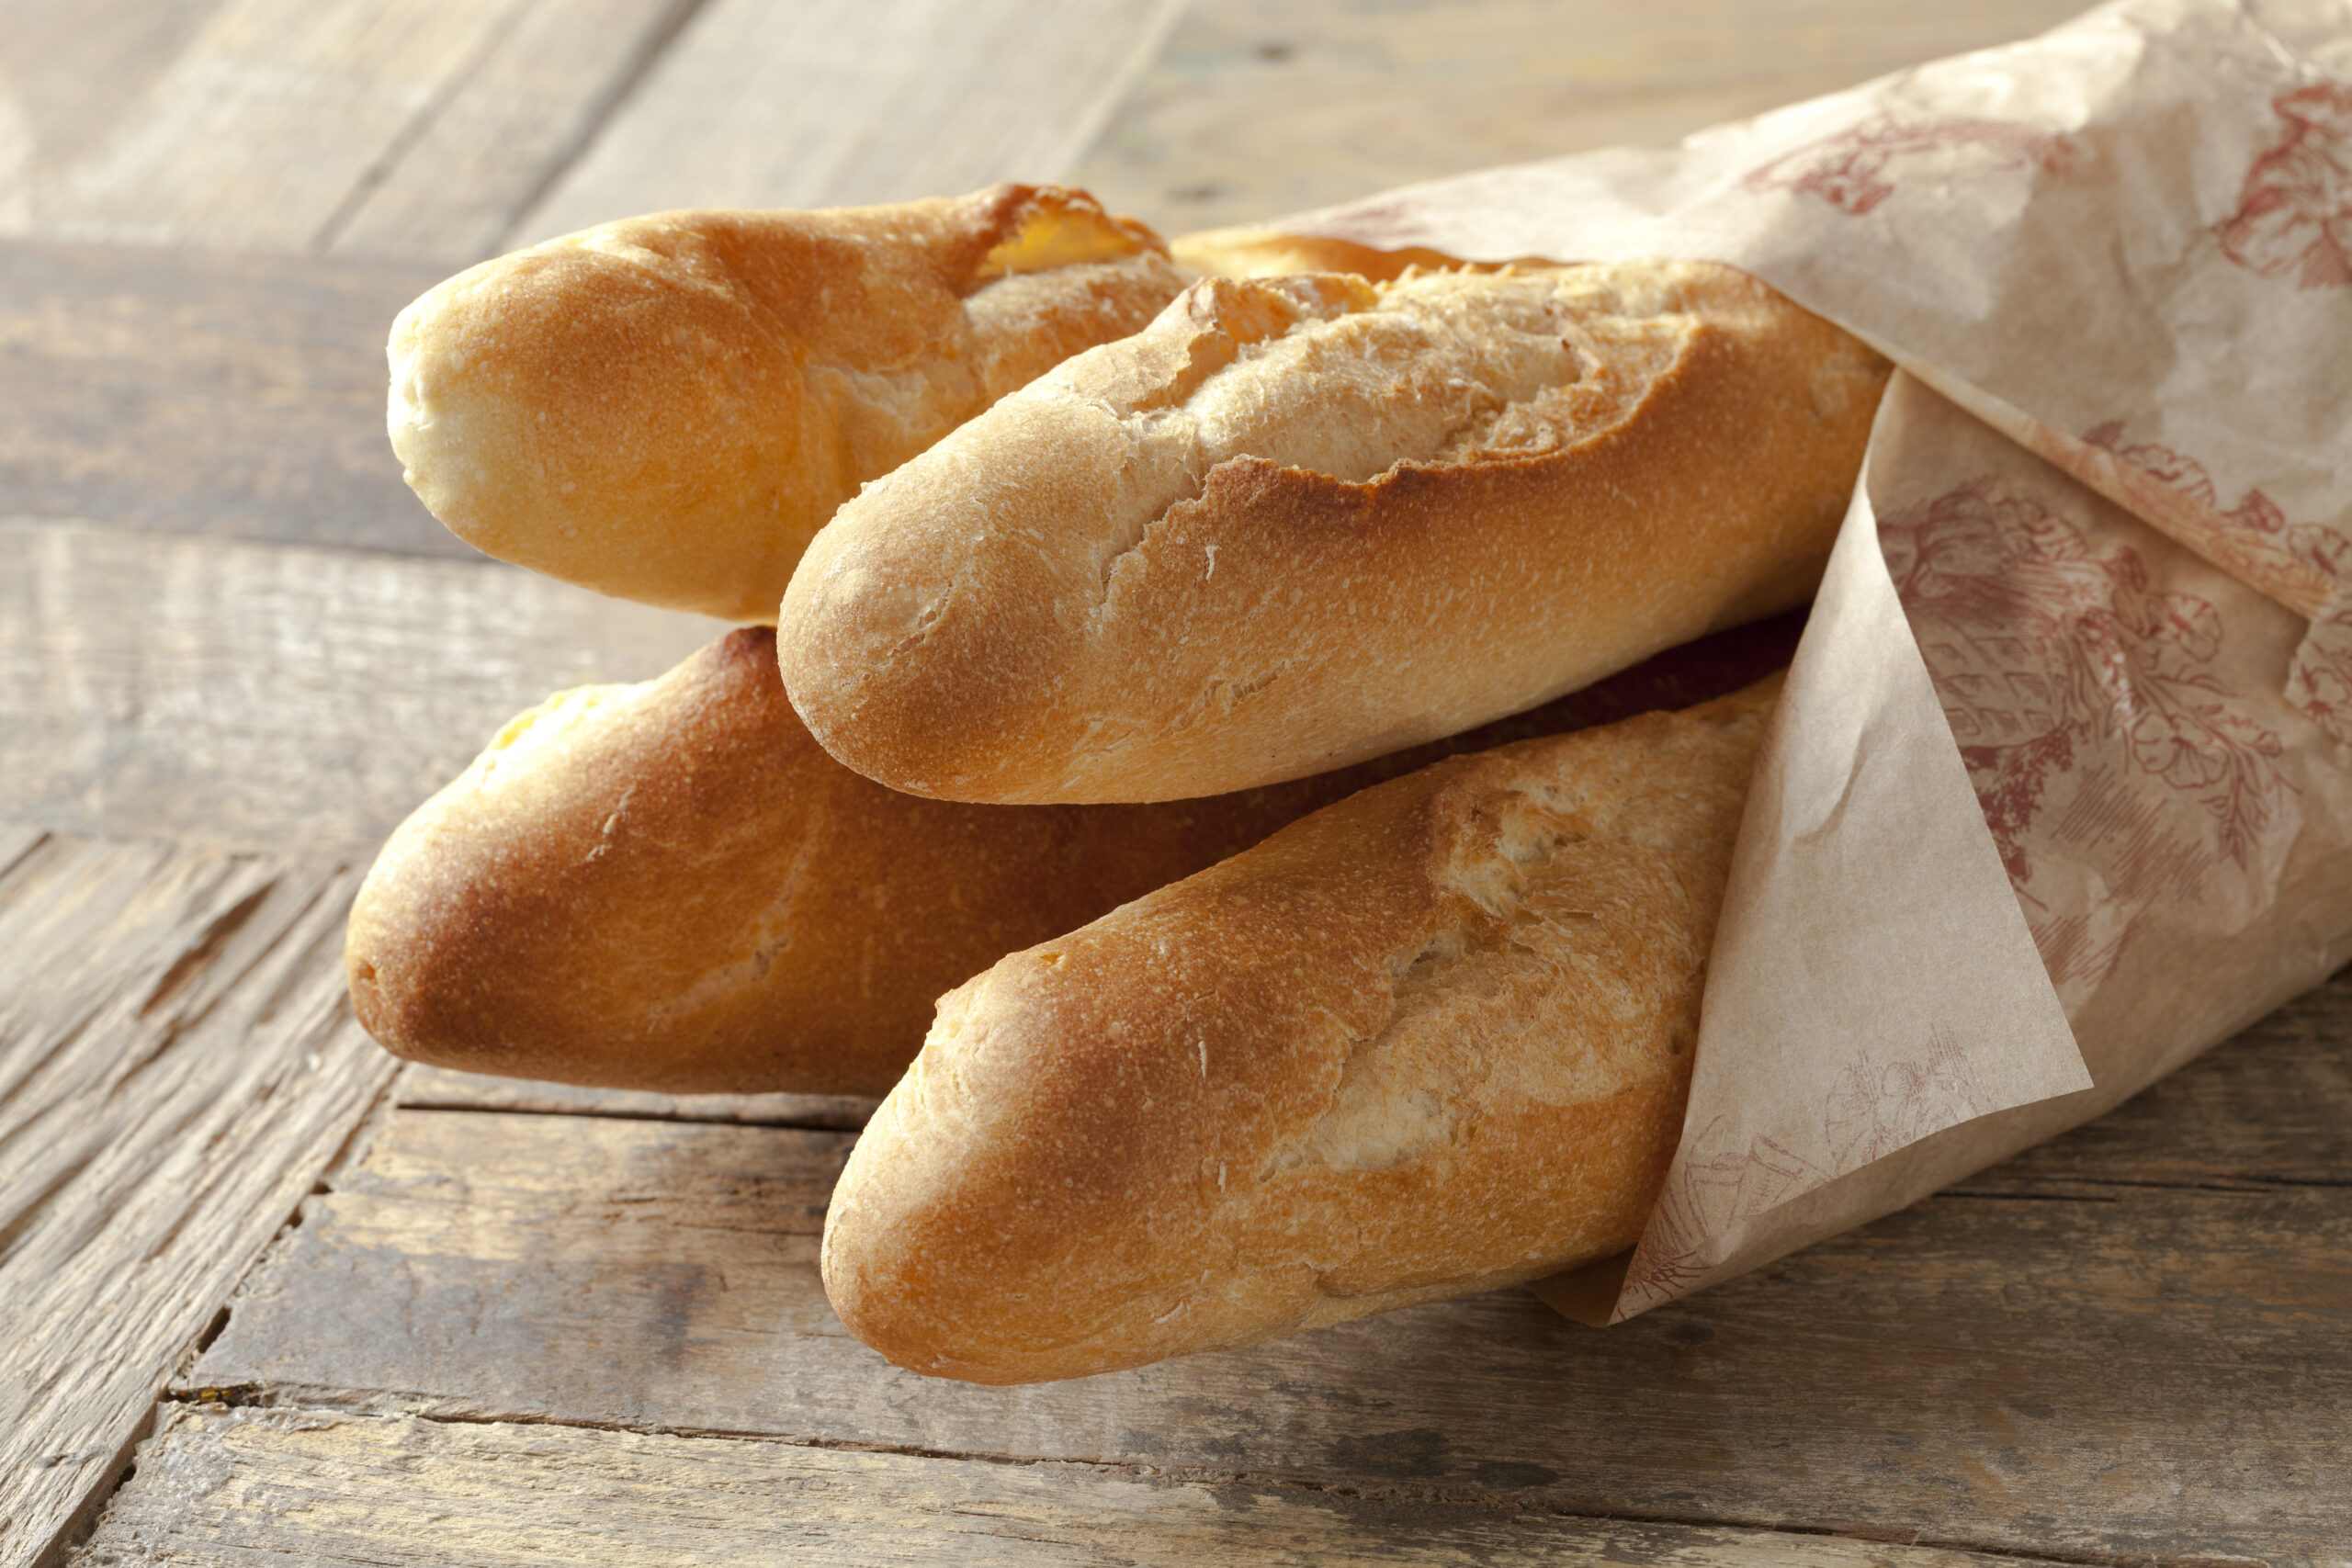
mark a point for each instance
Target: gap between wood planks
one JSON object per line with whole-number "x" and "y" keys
{"x": 428, "y": 1089}
{"x": 2285, "y": 1053}
{"x": 398, "y": 1485}
{"x": 178, "y": 1066}
{"x": 659, "y": 28}
{"x": 439, "y": 130}
{"x": 308, "y": 1401}
{"x": 1251, "y": 110}
{"x": 558, "y": 1278}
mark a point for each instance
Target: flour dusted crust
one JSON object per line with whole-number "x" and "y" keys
{"x": 1432, "y": 1040}
{"x": 1303, "y": 520}
{"x": 667, "y": 408}
{"x": 670, "y": 886}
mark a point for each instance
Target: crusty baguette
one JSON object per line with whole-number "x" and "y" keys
{"x": 1300, "y": 521}
{"x": 1432, "y": 1040}
{"x": 668, "y": 408}
{"x": 670, "y": 886}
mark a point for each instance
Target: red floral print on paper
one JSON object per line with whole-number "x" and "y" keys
{"x": 2294, "y": 214}
{"x": 1878, "y": 1105}
{"x": 2116, "y": 770}
{"x": 2184, "y": 473}
{"x": 1705, "y": 1197}
{"x": 1857, "y": 169}
{"x": 2089, "y": 714}
{"x": 2319, "y": 683}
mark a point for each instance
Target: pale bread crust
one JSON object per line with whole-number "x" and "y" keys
{"x": 1296, "y": 522}
{"x": 668, "y": 408}
{"x": 670, "y": 886}
{"x": 1432, "y": 1040}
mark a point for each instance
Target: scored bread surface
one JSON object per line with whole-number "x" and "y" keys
{"x": 1432, "y": 1040}
{"x": 1303, "y": 520}
{"x": 667, "y": 408}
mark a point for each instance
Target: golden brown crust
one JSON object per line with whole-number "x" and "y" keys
{"x": 1431, "y": 1039}
{"x": 672, "y": 887}
{"x": 668, "y": 408}
{"x": 1215, "y": 556}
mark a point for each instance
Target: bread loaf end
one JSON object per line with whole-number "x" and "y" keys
{"x": 669, "y": 407}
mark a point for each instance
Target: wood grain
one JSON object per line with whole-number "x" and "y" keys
{"x": 842, "y": 101}
{"x": 1253, "y": 110}
{"x": 259, "y": 130}
{"x": 404, "y": 128}
{"x": 2110, "y": 1366}
{"x": 456, "y": 189}
{"x": 227, "y": 395}
{"x": 177, "y": 1067}
{"x": 71, "y": 71}
{"x": 230, "y": 1487}
{"x": 2272, "y": 1107}
{"x": 257, "y": 695}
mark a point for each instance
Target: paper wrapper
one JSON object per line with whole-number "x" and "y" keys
{"x": 2057, "y": 796}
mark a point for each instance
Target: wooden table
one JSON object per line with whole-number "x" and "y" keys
{"x": 270, "y": 1298}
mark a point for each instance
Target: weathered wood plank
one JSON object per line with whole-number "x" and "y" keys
{"x": 1252, "y": 110}
{"x": 69, "y": 73}
{"x": 17, "y": 839}
{"x": 506, "y": 132}
{"x": 236, "y": 1487}
{"x": 417, "y": 128}
{"x": 445, "y": 1089}
{"x": 2134, "y": 1371}
{"x": 247, "y": 694}
{"x": 850, "y": 101}
{"x": 205, "y": 393}
{"x": 2273, "y": 1105}
{"x": 177, "y": 1067}
{"x": 259, "y": 130}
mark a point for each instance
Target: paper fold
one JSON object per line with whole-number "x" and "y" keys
{"x": 1867, "y": 906}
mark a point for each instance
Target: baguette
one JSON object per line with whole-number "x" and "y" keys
{"x": 668, "y": 408}
{"x": 670, "y": 886}
{"x": 1305, "y": 520}
{"x": 1432, "y": 1040}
